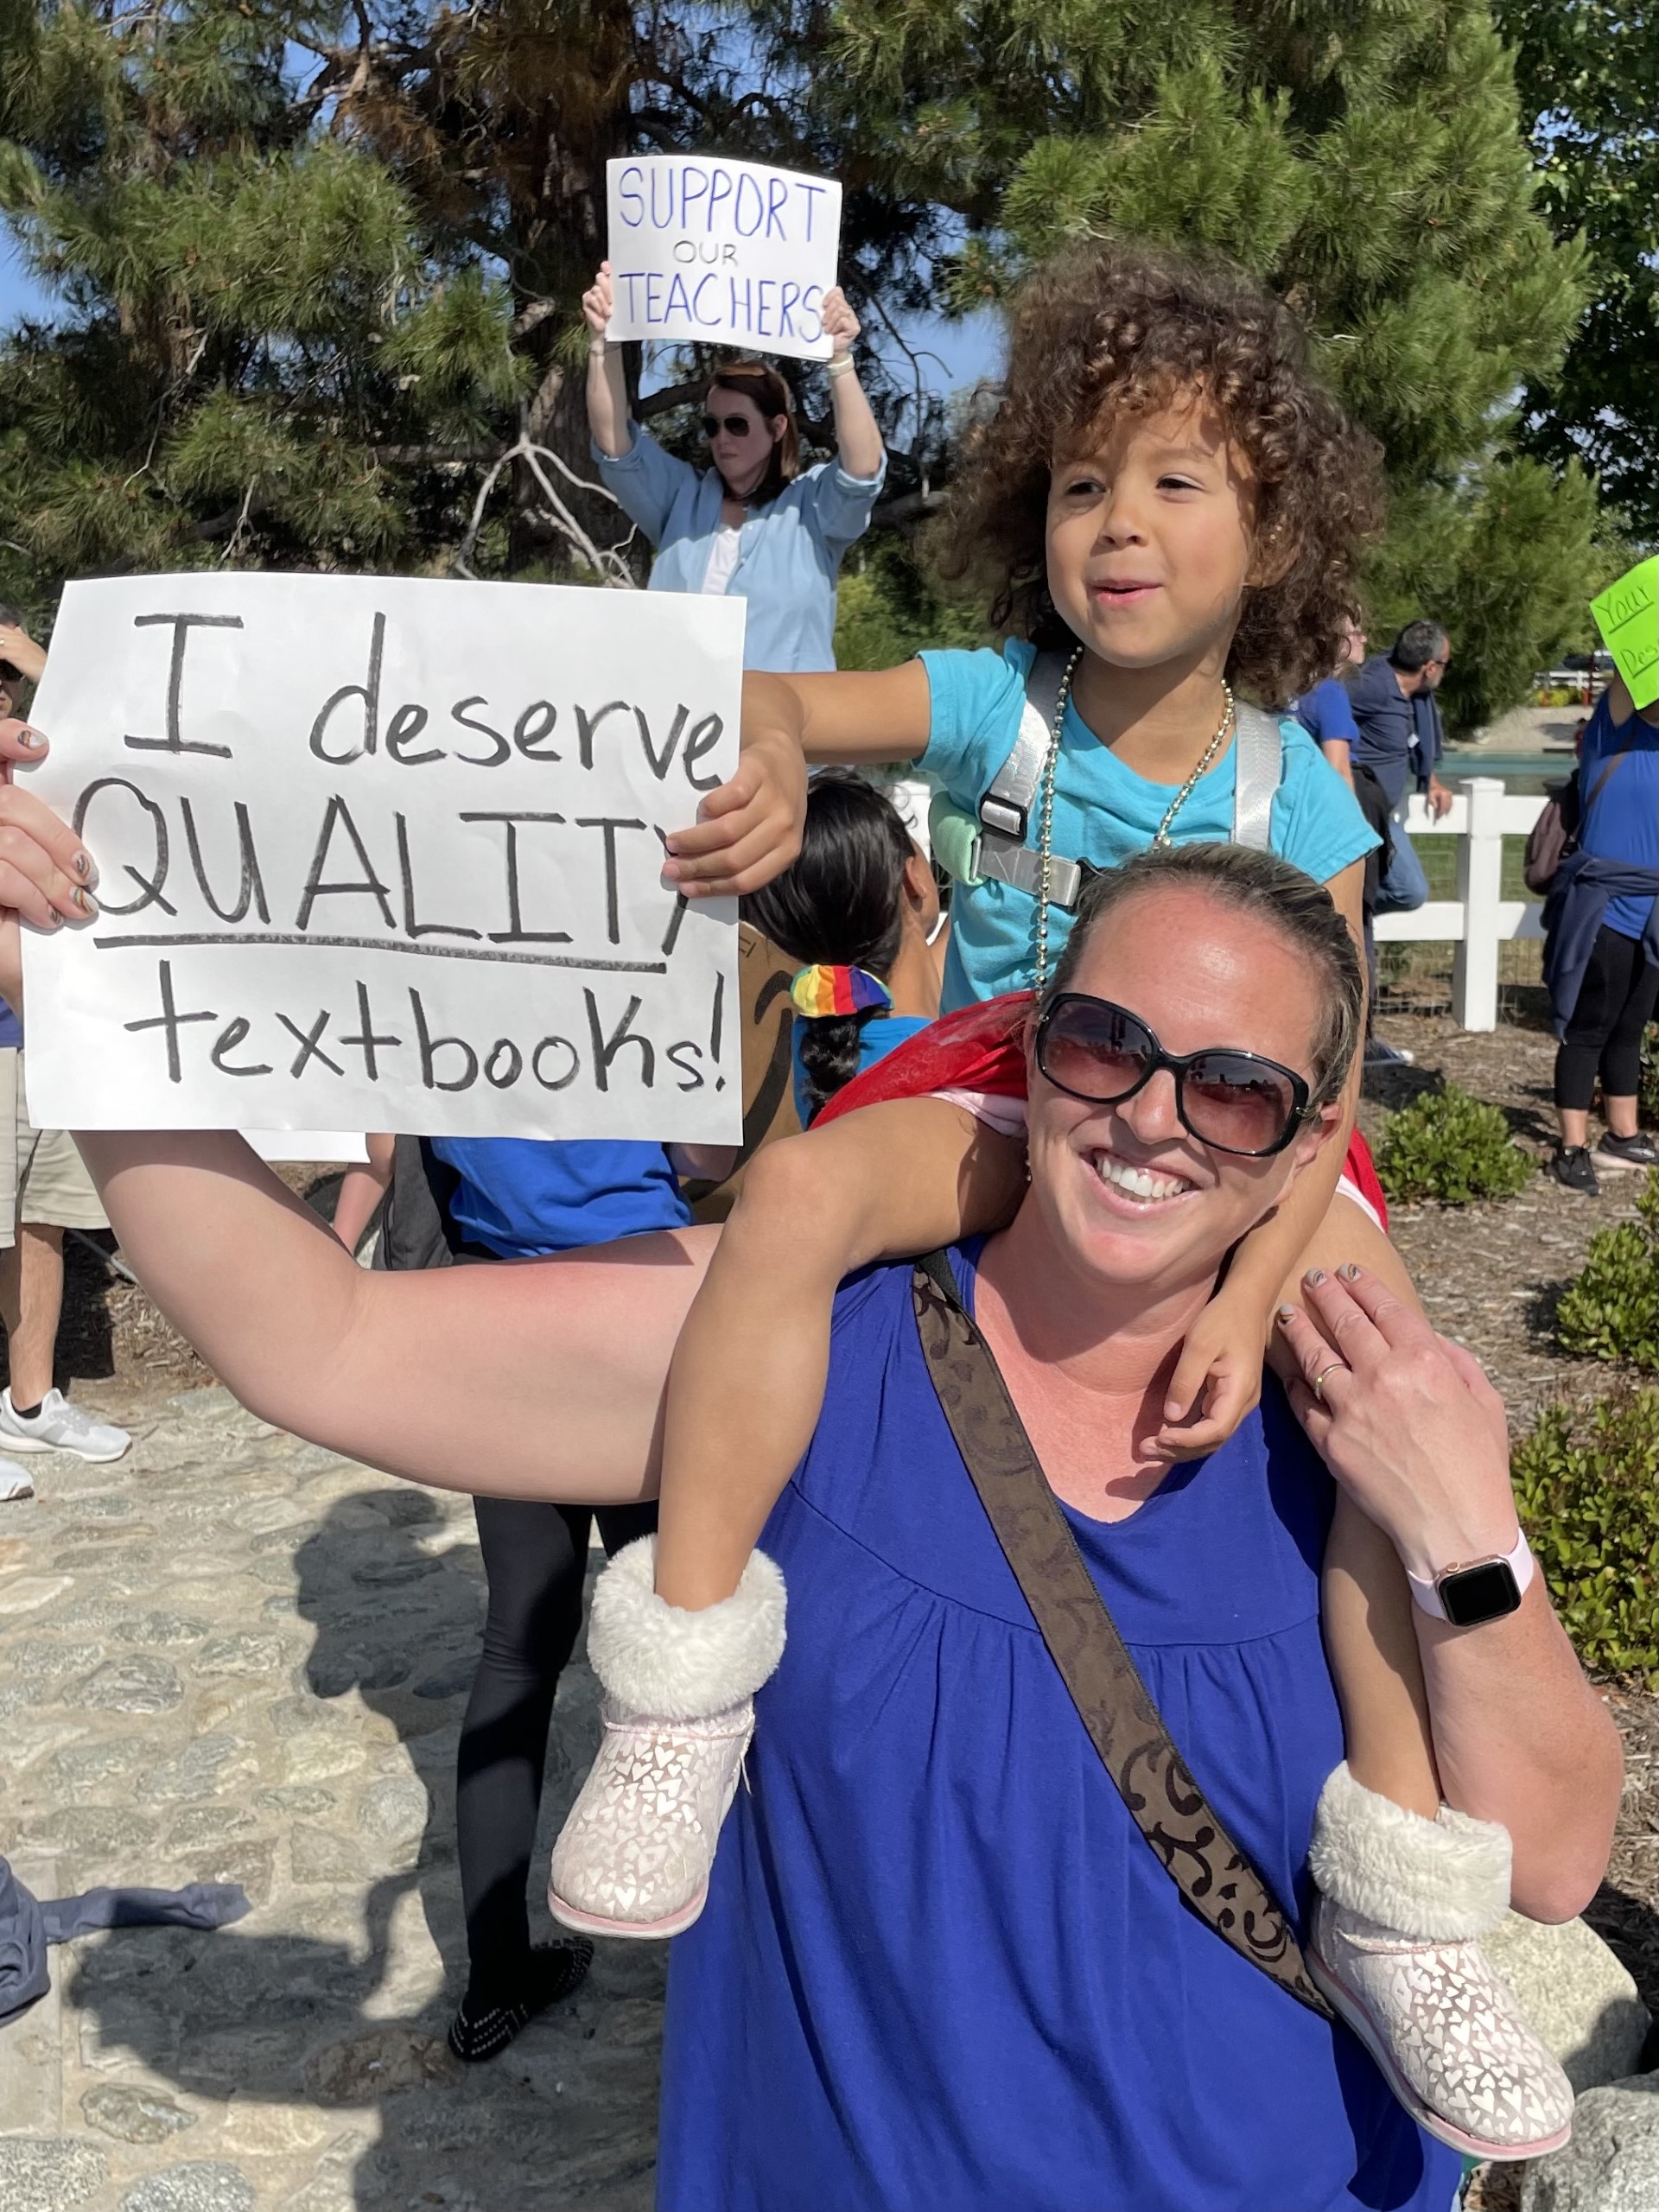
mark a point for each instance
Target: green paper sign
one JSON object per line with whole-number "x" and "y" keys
{"x": 1627, "y": 615}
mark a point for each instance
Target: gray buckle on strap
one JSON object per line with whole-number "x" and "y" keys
{"x": 1003, "y": 859}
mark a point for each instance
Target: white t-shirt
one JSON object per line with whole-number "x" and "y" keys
{"x": 722, "y": 559}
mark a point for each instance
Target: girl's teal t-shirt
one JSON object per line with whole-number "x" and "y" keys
{"x": 1103, "y": 811}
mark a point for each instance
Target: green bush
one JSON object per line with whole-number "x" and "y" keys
{"x": 1584, "y": 1488}
{"x": 1448, "y": 1145}
{"x": 1612, "y": 1309}
{"x": 1648, "y": 1093}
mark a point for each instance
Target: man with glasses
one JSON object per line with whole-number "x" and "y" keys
{"x": 44, "y": 1190}
{"x": 1400, "y": 741}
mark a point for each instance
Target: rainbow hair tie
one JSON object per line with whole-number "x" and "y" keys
{"x": 818, "y": 993}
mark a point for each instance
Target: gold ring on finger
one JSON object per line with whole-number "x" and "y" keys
{"x": 1318, "y": 1384}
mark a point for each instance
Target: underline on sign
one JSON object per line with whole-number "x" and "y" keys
{"x": 495, "y": 954}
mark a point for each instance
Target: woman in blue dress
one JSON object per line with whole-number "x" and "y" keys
{"x": 940, "y": 1969}
{"x": 754, "y": 524}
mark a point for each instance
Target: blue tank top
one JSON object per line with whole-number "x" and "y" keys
{"x": 940, "y": 1969}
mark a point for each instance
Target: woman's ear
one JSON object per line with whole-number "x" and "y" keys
{"x": 1314, "y": 1136}
{"x": 777, "y": 424}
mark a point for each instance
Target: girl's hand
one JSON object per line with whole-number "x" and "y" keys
{"x": 841, "y": 325}
{"x": 748, "y": 830}
{"x": 597, "y": 301}
{"x": 1217, "y": 1379}
{"x": 46, "y": 872}
{"x": 1407, "y": 1422}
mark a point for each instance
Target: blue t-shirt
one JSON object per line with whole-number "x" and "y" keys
{"x": 1103, "y": 811}
{"x": 875, "y": 1040}
{"x": 11, "y": 1030}
{"x": 1622, "y": 821}
{"x": 1326, "y": 714}
{"x": 523, "y": 1197}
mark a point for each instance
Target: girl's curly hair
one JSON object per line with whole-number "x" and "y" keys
{"x": 1114, "y": 328}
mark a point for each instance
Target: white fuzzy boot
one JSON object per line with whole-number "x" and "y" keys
{"x": 634, "y": 1856}
{"x": 1403, "y": 1902}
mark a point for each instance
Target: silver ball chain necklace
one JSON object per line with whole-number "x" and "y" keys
{"x": 1046, "y": 815}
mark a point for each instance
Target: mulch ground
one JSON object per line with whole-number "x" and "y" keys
{"x": 1491, "y": 1274}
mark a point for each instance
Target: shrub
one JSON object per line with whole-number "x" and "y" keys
{"x": 1584, "y": 1488}
{"x": 1648, "y": 1091}
{"x": 1448, "y": 1145}
{"x": 1610, "y": 1311}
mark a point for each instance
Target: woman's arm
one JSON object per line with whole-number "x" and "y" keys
{"x": 858, "y": 438}
{"x": 608, "y": 388}
{"x": 534, "y": 1378}
{"x": 1411, "y": 1429}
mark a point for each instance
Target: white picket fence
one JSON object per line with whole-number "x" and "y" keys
{"x": 1479, "y": 919}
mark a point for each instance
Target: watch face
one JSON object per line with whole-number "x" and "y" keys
{"x": 1474, "y": 1594}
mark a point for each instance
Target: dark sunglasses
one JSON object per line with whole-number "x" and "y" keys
{"x": 736, "y": 426}
{"x": 1233, "y": 1102}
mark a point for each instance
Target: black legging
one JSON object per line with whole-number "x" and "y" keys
{"x": 1615, "y": 1005}
{"x": 535, "y": 1558}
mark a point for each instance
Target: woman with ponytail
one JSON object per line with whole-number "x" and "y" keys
{"x": 860, "y": 906}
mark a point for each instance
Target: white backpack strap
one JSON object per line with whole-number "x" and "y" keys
{"x": 1259, "y": 764}
{"x": 1006, "y": 806}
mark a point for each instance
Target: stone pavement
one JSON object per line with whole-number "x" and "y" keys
{"x": 232, "y": 1656}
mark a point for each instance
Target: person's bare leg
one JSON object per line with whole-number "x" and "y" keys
{"x": 31, "y": 1305}
{"x": 1366, "y": 1603}
{"x": 1575, "y": 1125}
{"x": 1619, "y": 1114}
{"x": 747, "y": 1378}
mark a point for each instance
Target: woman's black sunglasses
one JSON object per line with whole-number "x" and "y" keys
{"x": 1232, "y": 1101}
{"x": 736, "y": 426}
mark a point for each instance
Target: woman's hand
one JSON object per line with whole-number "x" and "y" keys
{"x": 46, "y": 872}
{"x": 841, "y": 325}
{"x": 21, "y": 651}
{"x": 1406, "y": 1421}
{"x": 598, "y": 301}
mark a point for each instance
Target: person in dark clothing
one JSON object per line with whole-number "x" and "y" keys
{"x": 460, "y": 1200}
{"x": 1398, "y": 743}
{"x": 1601, "y": 956}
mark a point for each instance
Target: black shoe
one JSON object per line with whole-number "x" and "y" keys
{"x": 484, "y": 2026}
{"x": 1638, "y": 1151}
{"x": 1575, "y": 1170}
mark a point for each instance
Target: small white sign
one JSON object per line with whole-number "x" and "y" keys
{"x": 382, "y": 853}
{"x": 722, "y": 253}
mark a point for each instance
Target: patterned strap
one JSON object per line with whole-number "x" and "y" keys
{"x": 1164, "y": 1803}
{"x": 1257, "y": 767}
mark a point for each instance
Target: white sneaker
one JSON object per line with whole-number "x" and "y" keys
{"x": 15, "y": 1482}
{"x": 59, "y": 1427}
{"x": 634, "y": 1854}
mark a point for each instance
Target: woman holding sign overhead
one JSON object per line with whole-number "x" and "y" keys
{"x": 754, "y": 523}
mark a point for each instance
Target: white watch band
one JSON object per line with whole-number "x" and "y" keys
{"x": 1519, "y": 1561}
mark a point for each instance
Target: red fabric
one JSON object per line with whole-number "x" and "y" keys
{"x": 981, "y": 1047}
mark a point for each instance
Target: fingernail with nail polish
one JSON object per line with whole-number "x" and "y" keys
{"x": 1348, "y": 1272}
{"x": 31, "y": 738}
{"x": 86, "y": 901}
{"x": 82, "y": 865}
{"x": 1314, "y": 1277}
{"x": 1285, "y": 1316}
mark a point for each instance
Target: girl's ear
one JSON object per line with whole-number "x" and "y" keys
{"x": 919, "y": 887}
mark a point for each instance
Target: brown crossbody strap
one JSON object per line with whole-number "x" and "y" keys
{"x": 1163, "y": 1800}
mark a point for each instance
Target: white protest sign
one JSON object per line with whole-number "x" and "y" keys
{"x": 386, "y": 854}
{"x": 722, "y": 253}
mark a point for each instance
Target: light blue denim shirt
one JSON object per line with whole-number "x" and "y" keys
{"x": 788, "y": 551}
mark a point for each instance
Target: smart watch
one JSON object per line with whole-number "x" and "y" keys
{"x": 1475, "y": 1590}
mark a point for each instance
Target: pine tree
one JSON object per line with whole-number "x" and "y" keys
{"x": 321, "y": 265}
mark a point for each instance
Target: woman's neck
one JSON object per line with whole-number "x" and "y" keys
{"x": 914, "y": 978}
{"x": 1087, "y": 1363}
{"x": 1158, "y": 720}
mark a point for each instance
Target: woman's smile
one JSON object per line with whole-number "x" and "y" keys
{"x": 1132, "y": 1188}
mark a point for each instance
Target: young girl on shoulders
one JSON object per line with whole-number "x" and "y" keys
{"x": 1165, "y": 497}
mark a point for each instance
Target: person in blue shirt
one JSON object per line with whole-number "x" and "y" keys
{"x": 754, "y": 525}
{"x": 1399, "y": 741}
{"x": 1326, "y": 713}
{"x": 1601, "y": 957}
{"x": 860, "y": 906}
